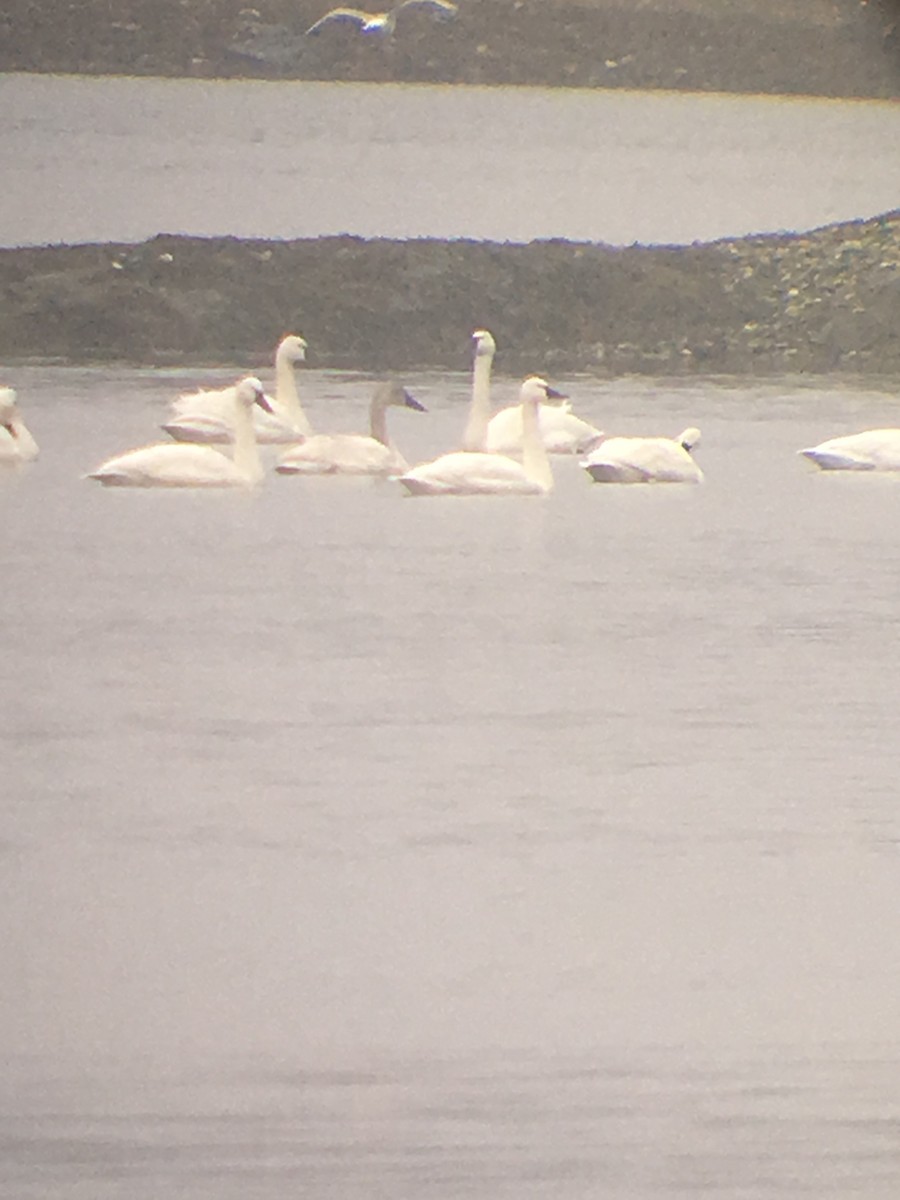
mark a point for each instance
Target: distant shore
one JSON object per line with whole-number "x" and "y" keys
{"x": 816, "y": 47}
{"x": 823, "y": 301}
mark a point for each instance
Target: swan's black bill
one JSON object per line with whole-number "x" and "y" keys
{"x": 553, "y": 394}
{"x": 412, "y": 402}
{"x": 263, "y": 401}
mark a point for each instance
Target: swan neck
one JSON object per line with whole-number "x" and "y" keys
{"x": 475, "y": 436}
{"x": 286, "y": 395}
{"x": 535, "y": 462}
{"x": 378, "y": 422}
{"x": 246, "y": 451}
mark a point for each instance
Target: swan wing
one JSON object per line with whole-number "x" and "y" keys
{"x": 872, "y": 450}
{"x": 464, "y": 473}
{"x": 564, "y": 433}
{"x": 210, "y": 424}
{"x": 341, "y": 454}
{"x": 341, "y": 16}
{"x": 210, "y": 402}
{"x": 641, "y": 460}
{"x": 443, "y": 9}
{"x": 169, "y": 465}
{"x": 561, "y": 431}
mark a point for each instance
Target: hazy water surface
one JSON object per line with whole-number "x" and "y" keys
{"x": 124, "y": 159}
{"x": 356, "y": 845}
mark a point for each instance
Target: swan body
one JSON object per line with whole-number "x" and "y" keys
{"x": 475, "y": 472}
{"x": 16, "y": 443}
{"x": 207, "y": 416}
{"x": 645, "y": 460}
{"x": 171, "y": 464}
{"x": 561, "y": 431}
{"x": 381, "y": 24}
{"x": 354, "y": 453}
{"x": 872, "y": 450}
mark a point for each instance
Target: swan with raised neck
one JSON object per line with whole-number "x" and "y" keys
{"x": 206, "y": 416}
{"x": 471, "y": 472}
{"x": 184, "y": 464}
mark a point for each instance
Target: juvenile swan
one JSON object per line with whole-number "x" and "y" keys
{"x": 170, "y": 464}
{"x": 207, "y": 416}
{"x": 474, "y": 472}
{"x": 16, "y": 443}
{"x": 645, "y": 460}
{"x": 382, "y": 24}
{"x": 354, "y": 453}
{"x": 873, "y": 450}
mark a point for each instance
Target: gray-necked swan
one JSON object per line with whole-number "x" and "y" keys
{"x": 872, "y": 450}
{"x": 173, "y": 464}
{"x": 645, "y": 460}
{"x": 206, "y": 416}
{"x": 16, "y": 443}
{"x": 354, "y": 453}
{"x": 475, "y": 472}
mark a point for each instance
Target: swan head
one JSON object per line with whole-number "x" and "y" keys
{"x": 535, "y": 389}
{"x": 8, "y": 410}
{"x": 249, "y": 391}
{"x": 689, "y": 439}
{"x": 293, "y": 348}
{"x": 392, "y": 392}
{"x": 7, "y": 401}
{"x": 484, "y": 343}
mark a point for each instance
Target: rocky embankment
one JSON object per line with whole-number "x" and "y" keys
{"x": 828, "y": 300}
{"x": 819, "y": 47}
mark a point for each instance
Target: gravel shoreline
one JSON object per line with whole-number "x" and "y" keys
{"x": 817, "y": 47}
{"x": 823, "y": 301}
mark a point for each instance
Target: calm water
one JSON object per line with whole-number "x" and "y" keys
{"x": 124, "y": 159}
{"x": 363, "y": 846}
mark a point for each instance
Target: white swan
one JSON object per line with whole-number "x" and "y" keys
{"x": 354, "y": 453}
{"x": 872, "y": 450}
{"x": 474, "y": 472}
{"x": 561, "y": 431}
{"x": 476, "y": 430}
{"x": 170, "y": 464}
{"x": 381, "y": 24}
{"x": 206, "y": 416}
{"x": 645, "y": 460}
{"x": 16, "y": 443}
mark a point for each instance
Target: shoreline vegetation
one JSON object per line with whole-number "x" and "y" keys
{"x": 821, "y": 301}
{"x": 817, "y": 302}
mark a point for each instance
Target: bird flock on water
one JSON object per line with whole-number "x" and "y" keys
{"x": 215, "y": 436}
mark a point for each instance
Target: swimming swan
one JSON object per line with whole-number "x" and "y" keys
{"x": 474, "y": 472}
{"x": 354, "y": 453}
{"x": 170, "y": 464}
{"x": 645, "y": 460}
{"x": 16, "y": 443}
{"x": 383, "y": 24}
{"x": 561, "y": 431}
{"x": 206, "y": 416}
{"x": 873, "y": 450}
